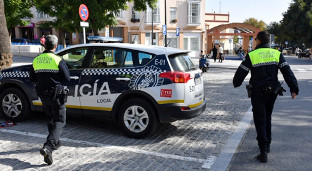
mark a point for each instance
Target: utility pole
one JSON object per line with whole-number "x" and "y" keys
{"x": 165, "y": 22}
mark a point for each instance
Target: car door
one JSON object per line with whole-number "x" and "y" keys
{"x": 76, "y": 60}
{"x": 106, "y": 78}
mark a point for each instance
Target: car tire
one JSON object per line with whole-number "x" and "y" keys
{"x": 137, "y": 118}
{"x": 14, "y": 105}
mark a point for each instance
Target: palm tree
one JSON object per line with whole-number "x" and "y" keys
{"x": 6, "y": 57}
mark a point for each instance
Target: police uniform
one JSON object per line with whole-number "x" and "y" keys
{"x": 49, "y": 72}
{"x": 264, "y": 62}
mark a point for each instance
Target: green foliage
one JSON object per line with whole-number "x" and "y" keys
{"x": 259, "y": 24}
{"x": 15, "y": 11}
{"x": 296, "y": 25}
{"x": 235, "y": 39}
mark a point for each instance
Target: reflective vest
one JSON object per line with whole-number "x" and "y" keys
{"x": 46, "y": 62}
{"x": 264, "y": 56}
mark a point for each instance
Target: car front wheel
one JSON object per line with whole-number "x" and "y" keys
{"x": 137, "y": 118}
{"x": 14, "y": 105}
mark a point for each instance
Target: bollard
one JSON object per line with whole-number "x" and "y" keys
{"x": 19, "y": 51}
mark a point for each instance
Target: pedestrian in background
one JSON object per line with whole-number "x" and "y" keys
{"x": 49, "y": 72}
{"x": 214, "y": 53}
{"x": 220, "y": 53}
{"x": 42, "y": 41}
{"x": 264, "y": 62}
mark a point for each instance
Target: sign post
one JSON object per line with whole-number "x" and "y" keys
{"x": 84, "y": 15}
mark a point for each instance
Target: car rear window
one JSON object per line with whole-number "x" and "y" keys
{"x": 181, "y": 62}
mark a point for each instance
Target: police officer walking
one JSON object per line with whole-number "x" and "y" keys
{"x": 264, "y": 62}
{"x": 49, "y": 72}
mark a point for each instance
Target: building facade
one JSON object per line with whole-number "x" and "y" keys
{"x": 186, "y": 25}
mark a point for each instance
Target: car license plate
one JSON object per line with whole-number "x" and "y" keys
{"x": 197, "y": 81}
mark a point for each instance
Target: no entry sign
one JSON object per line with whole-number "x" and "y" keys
{"x": 83, "y": 12}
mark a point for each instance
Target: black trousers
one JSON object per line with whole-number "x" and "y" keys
{"x": 55, "y": 112}
{"x": 262, "y": 107}
{"x": 220, "y": 59}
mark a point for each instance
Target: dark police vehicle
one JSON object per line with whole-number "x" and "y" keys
{"x": 138, "y": 86}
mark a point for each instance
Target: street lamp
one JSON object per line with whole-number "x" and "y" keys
{"x": 165, "y": 22}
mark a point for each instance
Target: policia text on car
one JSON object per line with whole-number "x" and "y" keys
{"x": 264, "y": 63}
{"x": 49, "y": 72}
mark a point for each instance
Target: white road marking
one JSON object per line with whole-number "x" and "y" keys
{"x": 209, "y": 161}
{"x": 302, "y": 70}
{"x": 225, "y": 157}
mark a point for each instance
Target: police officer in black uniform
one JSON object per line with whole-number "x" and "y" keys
{"x": 49, "y": 72}
{"x": 264, "y": 62}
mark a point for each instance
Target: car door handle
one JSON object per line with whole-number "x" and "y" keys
{"x": 123, "y": 79}
{"x": 74, "y": 77}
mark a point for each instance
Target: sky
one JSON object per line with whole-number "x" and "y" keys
{"x": 265, "y": 10}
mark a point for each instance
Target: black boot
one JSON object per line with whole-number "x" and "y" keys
{"x": 263, "y": 156}
{"x": 47, "y": 154}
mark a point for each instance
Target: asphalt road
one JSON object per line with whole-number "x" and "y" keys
{"x": 291, "y": 147}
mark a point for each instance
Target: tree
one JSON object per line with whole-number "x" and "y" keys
{"x": 5, "y": 48}
{"x": 259, "y": 24}
{"x": 101, "y": 12}
{"x": 275, "y": 28}
{"x": 15, "y": 11}
{"x": 296, "y": 25}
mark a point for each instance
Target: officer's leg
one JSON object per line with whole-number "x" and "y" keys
{"x": 258, "y": 108}
{"x": 269, "y": 109}
{"x": 59, "y": 119}
{"x": 48, "y": 108}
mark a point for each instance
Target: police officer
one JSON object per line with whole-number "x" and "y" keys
{"x": 49, "y": 72}
{"x": 264, "y": 62}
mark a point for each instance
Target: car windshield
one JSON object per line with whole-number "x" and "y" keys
{"x": 181, "y": 62}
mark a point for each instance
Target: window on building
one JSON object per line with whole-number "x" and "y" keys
{"x": 120, "y": 14}
{"x": 135, "y": 14}
{"x": 194, "y": 43}
{"x": 185, "y": 43}
{"x": 194, "y": 12}
{"x": 42, "y": 15}
{"x": 173, "y": 14}
{"x": 155, "y": 12}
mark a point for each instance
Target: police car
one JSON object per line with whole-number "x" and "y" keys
{"x": 137, "y": 86}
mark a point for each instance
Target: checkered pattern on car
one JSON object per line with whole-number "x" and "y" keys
{"x": 15, "y": 74}
{"x": 123, "y": 71}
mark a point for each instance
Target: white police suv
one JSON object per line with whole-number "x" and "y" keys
{"x": 137, "y": 86}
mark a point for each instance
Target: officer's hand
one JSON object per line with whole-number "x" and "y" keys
{"x": 293, "y": 95}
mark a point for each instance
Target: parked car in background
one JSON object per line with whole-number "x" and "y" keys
{"x": 287, "y": 51}
{"x": 19, "y": 41}
{"x": 305, "y": 54}
{"x": 34, "y": 42}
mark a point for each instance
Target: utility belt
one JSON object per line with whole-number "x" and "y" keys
{"x": 57, "y": 92}
{"x": 267, "y": 89}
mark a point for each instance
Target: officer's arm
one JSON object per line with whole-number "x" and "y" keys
{"x": 288, "y": 75}
{"x": 242, "y": 72}
{"x": 64, "y": 71}
{"x": 32, "y": 75}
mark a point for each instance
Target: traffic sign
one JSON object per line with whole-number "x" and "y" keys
{"x": 83, "y": 12}
{"x": 164, "y": 29}
{"x": 178, "y": 31}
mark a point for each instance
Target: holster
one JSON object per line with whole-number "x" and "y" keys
{"x": 279, "y": 90}
{"x": 62, "y": 93}
{"x": 249, "y": 88}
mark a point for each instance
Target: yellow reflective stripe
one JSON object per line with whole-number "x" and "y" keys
{"x": 46, "y": 61}
{"x": 264, "y": 55}
{"x": 170, "y": 101}
{"x": 196, "y": 104}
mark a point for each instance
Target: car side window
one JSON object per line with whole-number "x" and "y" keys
{"x": 144, "y": 58}
{"x": 111, "y": 58}
{"x": 74, "y": 57}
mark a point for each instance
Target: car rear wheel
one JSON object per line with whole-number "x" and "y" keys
{"x": 137, "y": 118}
{"x": 14, "y": 105}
